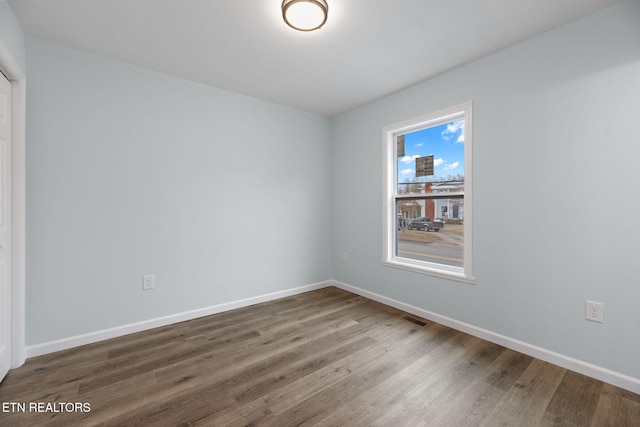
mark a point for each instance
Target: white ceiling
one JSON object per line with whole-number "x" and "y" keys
{"x": 367, "y": 49}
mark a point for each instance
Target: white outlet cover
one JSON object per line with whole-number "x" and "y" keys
{"x": 594, "y": 311}
{"x": 148, "y": 281}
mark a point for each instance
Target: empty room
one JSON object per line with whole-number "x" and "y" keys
{"x": 319, "y": 212}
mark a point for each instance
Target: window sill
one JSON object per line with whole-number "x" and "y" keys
{"x": 436, "y": 272}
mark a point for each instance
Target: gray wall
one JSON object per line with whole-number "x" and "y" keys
{"x": 556, "y": 189}
{"x": 11, "y": 35}
{"x": 131, "y": 172}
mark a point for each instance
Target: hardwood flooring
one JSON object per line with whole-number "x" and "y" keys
{"x": 324, "y": 358}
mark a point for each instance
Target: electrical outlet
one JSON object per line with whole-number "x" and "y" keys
{"x": 345, "y": 257}
{"x": 148, "y": 282}
{"x": 594, "y": 311}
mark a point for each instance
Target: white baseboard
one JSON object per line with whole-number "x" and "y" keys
{"x": 92, "y": 337}
{"x": 611, "y": 377}
{"x": 615, "y": 378}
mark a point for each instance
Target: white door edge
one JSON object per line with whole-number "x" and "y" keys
{"x": 17, "y": 77}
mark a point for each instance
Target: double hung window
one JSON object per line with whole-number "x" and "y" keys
{"x": 427, "y": 200}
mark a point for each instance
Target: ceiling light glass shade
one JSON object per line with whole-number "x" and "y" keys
{"x": 305, "y": 15}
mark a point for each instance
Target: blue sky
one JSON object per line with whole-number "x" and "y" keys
{"x": 445, "y": 142}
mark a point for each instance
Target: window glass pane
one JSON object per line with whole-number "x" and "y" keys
{"x": 431, "y": 230}
{"x": 429, "y": 156}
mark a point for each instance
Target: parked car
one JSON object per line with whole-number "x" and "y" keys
{"x": 422, "y": 223}
{"x": 438, "y": 224}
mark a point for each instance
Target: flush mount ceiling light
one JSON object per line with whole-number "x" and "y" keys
{"x": 305, "y": 15}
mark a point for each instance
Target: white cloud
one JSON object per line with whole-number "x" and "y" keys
{"x": 438, "y": 162}
{"x": 406, "y": 171}
{"x": 453, "y": 129}
{"x": 409, "y": 159}
{"x": 455, "y": 126}
{"x": 452, "y": 166}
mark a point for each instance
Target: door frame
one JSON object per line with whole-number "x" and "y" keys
{"x": 17, "y": 78}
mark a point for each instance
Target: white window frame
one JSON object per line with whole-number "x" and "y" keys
{"x": 390, "y": 195}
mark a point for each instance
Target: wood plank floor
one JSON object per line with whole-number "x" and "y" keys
{"x": 324, "y": 358}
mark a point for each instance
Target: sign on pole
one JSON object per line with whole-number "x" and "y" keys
{"x": 424, "y": 166}
{"x": 400, "y": 145}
